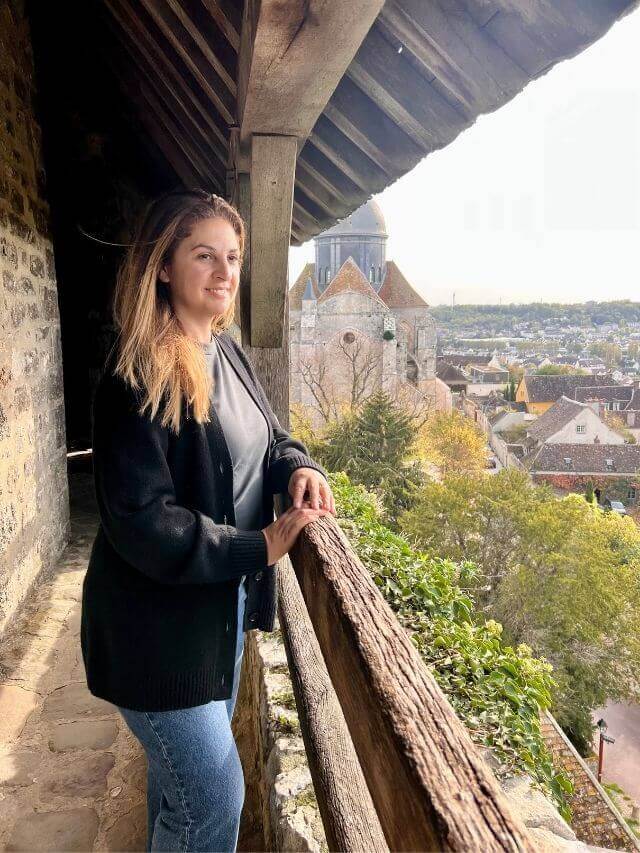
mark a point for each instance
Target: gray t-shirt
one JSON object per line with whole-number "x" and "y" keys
{"x": 246, "y": 432}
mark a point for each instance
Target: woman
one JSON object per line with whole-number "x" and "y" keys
{"x": 187, "y": 456}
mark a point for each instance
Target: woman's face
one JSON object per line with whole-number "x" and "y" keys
{"x": 204, "y": 273}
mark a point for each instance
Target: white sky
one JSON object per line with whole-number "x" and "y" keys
{"x": 539, "y": 200}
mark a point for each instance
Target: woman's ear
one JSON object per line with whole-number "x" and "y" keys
{"x": 163, "y": 275}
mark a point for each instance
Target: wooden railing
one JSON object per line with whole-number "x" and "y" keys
{"x": 392, "y": 765}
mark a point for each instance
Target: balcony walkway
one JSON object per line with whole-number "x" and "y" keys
{"x": 72, "y": 776}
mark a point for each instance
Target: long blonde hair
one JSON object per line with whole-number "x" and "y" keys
{"x": 153, "y": 351}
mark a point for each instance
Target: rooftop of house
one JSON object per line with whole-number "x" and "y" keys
{"x": 561, "y": 413}
{"x": 541, "y": 389}
{"x": 622, "y": 459}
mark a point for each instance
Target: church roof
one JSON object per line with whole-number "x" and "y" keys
{"x": 396, "y": 292}
{"x": 367, "y": 220}
{"x": 296, "y": 292}
{"x": 349, "y": 277}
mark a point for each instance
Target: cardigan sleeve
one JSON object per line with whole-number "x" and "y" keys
{"x": 137, "y": 502}
{"x": 286, "y": 453}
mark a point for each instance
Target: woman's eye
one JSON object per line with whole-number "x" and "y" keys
{"x": 204, "y": 255}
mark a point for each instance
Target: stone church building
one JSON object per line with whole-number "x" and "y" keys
{"x": 357, "y": 325}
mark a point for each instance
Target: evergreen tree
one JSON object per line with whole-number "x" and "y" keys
{"x": 373, "y": 445}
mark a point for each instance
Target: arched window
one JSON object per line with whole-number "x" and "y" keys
{"x": 372, "y": 274}
{"x": 327, "y": 272}
{"x": 379, "y": 273}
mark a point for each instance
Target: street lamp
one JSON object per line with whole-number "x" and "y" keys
{"x": 603, "y": 739}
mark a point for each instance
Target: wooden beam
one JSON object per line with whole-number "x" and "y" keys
{"x": 430, "y": 787}
{"x": 218, "y": 15}
{"x": 170, "y": 75}
{"x": 292, "y": 57}
{"x": 448, "y": 44}
{"x": 348, "y": 815}
{"x": 389, "y": 80}
{"x": 206, "y": 49}
{"x": 347, "y": 157}
{"x": 329, "y": 175}
{"x": 273, "y": 163}
{"x": 182, "y": 167}
{"x": 211, "y": 83}
{"x": 166, "y": 94}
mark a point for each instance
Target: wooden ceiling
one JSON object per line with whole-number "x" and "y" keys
{"x": 423, "y": 73}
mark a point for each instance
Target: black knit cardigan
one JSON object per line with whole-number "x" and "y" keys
{"x": 159, "y": 599}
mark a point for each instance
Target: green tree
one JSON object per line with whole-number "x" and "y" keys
{"x": 374, "y": 445}
{"x": 561, "y": 576}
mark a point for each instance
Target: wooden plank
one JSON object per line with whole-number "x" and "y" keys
{"x": 371, "y": 129}
{"x": 210, "y": 82}
{"x": 431, "y": 789}
{"x": 327, "y": 174}
{"x": 273, "y": 163}
{"x": 410, "y": 100}
{"x": 185, "y": 119}
{"x": 346, "y": 156}
{"x": 347, "y": 811}
{"x": 294, "y": 56}
{"x": 150, "y": 48}
{"x": 219, "y": 16}
{"x": 317, "y": 191}
{"x": 207, "y": 50}
{"x": 447, "y": 43}
{"x": 182, "y": 167}
{"x": 538, "y": 35}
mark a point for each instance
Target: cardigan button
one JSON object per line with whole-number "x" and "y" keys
{"x": 221, "y": 467}
{"x": 258, "y": 576}
{"x": 253, "y": 617}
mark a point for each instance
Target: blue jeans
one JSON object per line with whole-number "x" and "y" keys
{"x": 195, "y": 783}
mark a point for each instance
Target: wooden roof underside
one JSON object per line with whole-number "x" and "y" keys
{"x": 424, "y": 72}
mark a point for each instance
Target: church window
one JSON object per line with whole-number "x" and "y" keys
{"x": 327, "y": 272}
{"x": 372, "y": 274}
{"x": 348, "y": 338}
{"x": 379, "y": 274}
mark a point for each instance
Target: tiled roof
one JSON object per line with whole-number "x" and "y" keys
{"x": 349, "y": 277}
{"x": 548, "y": 424}
{"x": 296, "y": 292}
{"x": 449, "y": 373}
{"x": 604, "y": 393}
{"x": 586, "y": 458}
{"x": 396, "y": 292}
{"x": 543, "y": 388}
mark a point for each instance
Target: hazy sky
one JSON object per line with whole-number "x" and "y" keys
{"x": 539, "y": 200}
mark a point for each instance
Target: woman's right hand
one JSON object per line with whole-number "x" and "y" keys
{"x": 282, "y": 533}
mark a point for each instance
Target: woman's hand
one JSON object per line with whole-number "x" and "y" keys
{"x": 310, "y": 481}
{"x": 282, "y": 533}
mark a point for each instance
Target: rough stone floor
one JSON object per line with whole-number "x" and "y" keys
{"x": 72, "y": 776}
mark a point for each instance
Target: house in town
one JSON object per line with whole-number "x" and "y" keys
{"x": 540, "y": 392}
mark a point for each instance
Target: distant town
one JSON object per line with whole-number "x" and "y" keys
{"x": 556, "y": 389}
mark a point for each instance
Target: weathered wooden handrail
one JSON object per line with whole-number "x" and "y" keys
{"x": 429, "y": 785}
{"x": 348, "y": 814}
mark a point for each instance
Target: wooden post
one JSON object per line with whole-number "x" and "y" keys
{"x": 273, "y": 165}
{"x": 348, "y": 815}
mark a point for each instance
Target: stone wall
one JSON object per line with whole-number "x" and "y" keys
{"x": 280, "y": 809}
{"x": 595, "y": 819}
{"x": 34, "y": 512}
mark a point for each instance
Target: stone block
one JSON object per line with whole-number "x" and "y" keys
{"x": 74, "y": 701}
{"x": 70, "y": 829}
{"x": 129, "y": 832}
{"x": 16, "y": 705}
{"x": 82, "y": 734}
{"x": 85, "y": 776}
{"x": 20, "y": 768}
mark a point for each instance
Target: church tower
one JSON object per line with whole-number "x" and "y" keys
{"x": 362, "y": 236}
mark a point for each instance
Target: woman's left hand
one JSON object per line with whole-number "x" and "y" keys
{"x": 319, "y": 491}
